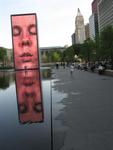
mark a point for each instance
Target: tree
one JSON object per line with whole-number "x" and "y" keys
{"x": 69, "y": 54}
{"x": 106, "y": 37}
{"x": 55, "y": 56}
{"x": 97, "y": 46}
{"x": 87, "y": 50}
{"x": 3, "y": 55}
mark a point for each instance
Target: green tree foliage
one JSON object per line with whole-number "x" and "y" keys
{"x": 87, "y": 50}
{"x": 106, "y": 42}
{"x": 3, "y": 55}
{"x": 69, "y": 54}
{"x": 97, "y": 47}
{"x": 56, "y": 56}
{"x": 76, "y": 48}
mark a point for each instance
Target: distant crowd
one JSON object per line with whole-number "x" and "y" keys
{"x": 100, "y": 66}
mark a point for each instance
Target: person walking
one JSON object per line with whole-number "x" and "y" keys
{"x": 71, "y": 69}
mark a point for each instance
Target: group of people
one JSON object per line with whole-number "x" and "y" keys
{"x": 64, "y": 64}
{"x": 99, "y": 66}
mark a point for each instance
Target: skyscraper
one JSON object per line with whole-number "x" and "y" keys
{"x": 87, "y": 31}
{"x": 80, "y": 28}
{"x": 73, "y": 39}
{"x": 93, "y": 20}
{"x": 94, "y": 6}
{"x": 105, "y": 13}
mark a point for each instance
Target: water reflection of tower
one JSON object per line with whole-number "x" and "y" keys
{"x": 29, "y": 97}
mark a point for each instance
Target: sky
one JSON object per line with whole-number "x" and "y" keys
{"x": 56, "y": 19}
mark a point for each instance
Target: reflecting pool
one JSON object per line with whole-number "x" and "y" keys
{"x": 25, "y": 110}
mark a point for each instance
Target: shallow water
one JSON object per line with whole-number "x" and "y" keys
{"x": 21, "y": 128}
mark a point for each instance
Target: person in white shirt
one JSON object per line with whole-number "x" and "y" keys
{"x": 71, "y": 69}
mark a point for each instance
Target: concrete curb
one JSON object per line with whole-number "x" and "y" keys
{"x": 109, "y": 72}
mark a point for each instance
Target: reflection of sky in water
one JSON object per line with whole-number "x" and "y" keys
{"x": 15, "y": 136}
{"x": 46, "y": 90}
{"x": 57, "y": 104}
{"x": 57, "y": 97}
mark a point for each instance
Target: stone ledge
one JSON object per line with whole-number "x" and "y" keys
{"x": 109, "y": 72}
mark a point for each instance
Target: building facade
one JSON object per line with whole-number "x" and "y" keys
{"x": 87, "y": 30}
{"x": 105, "y": 13}
{"x": 79, "y": 28}
{"x": 93, "y": 26}
{"x": 73, "y": 39}
{"x": 46, "y": 52}
{"x": 93, "y": 20}
{"x": 94, "y": 7}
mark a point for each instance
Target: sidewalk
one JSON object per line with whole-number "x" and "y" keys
{"x": 82, "y": 110}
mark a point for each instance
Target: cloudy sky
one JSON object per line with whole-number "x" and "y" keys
{"x": 56, "y": 19}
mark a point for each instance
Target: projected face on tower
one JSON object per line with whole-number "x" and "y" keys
{"x": 24, "y": 34}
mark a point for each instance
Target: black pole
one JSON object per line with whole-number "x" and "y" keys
{"x": 51, "y": 115}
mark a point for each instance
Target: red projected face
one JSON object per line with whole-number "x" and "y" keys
{"x": 29, "y": 96}
{"x": 25, "y": 46}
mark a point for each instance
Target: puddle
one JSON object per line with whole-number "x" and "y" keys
{"x": 57, "y": 104}
{"x": 75, "y": 93}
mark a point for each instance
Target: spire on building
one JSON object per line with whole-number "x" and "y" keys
{"x": 79, "y": 13}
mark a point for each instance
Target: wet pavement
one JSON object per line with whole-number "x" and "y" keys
{"x": 82, "y": 110}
